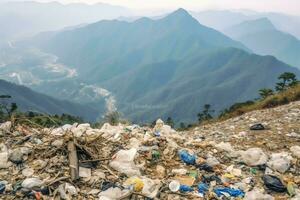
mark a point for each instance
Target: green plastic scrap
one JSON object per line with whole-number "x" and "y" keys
{"x": 253, "y": 171}
{"x": 291, "y": 189}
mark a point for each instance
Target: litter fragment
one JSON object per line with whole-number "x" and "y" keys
{"x": 257, "y": 127}
{"x": 186, "y": 157}
{"x": 254, "y": 157}
{"x": 129, "y": 161}
{"x": 273, "y": 183}
{"x": 230, "y": 191}
{"x": 124, "y": 162}
{"x": 30, "y": 183}
{"x": 174, "y": 186}
{"x": 256, "y": 194}
{"x": 185, "y": 188}
{"x": 280, "y": 162}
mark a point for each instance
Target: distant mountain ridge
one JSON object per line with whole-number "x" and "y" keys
{"x": 111, "y": 47}
{"x": 28, "y": 100}
{"x": 171, "y": 66}
{"x": 223, "y": 19}
{"x": 263, "y": 38}
{"x": 19, "y": 19}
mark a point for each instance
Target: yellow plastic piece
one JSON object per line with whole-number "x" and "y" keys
{"x": 136, "y": 182}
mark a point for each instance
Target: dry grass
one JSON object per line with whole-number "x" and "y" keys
{"x": 285, "y": 97}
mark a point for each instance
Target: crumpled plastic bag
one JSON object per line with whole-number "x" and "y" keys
{"x": 187, "y": 158}
{"x": 254, "y": 157}
{"x": 161, "y": 128}
{"x": 30, "y": 183}
{"x": 4, "y": 155}
{"x": 295, "y": 151}
{"x": 66, "y": 191}
{"x": 111, "y": 132}
{"x": 274, "y": 183}
{"x": 256, "y": 194}
{"x": 280, "y": 162}
{"x": 212, "y": 161}
{"x": 6, "y": 126}
{"x": 151, "y": 187}
{"x": 123, "y": 162}
{"x": 112, "y": 193}
{"x": 225, "y": 146}
{"x": 257, "y": 127}
{"x": 232, "y": 192}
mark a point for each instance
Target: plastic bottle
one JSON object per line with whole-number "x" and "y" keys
{"x": 174, "y": 186}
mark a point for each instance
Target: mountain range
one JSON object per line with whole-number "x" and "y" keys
{"x": 263, "y": 38}
{"x": 19, "y": 19}
{"x": 29, "y": 100}
{"x": 224, "y": 19}
{"x": 168, "y": 67}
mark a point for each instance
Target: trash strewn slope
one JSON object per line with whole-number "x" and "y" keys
{"x": 254, "y": 157}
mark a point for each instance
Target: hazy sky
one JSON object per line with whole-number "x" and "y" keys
{"x": 287, "y": 6}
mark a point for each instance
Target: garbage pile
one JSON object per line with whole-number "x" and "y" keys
{"x": 215, "y": 161}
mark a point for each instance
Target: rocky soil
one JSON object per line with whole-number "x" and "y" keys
{"x": 223, "y": 160}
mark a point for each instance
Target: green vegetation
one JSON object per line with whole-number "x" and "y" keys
{"x": 45, "y": 120}
{"x": 170, "y": 122}
{"x": 206, "y": 114}
{"x": 288, "y": 80}
{"x": 113, "y": 118}
{"x": 29, "y": 100}
{"x": 160, "y": 68}
{"x": 6, "y": 110}
{"x": 265, "y": 92}
{"x": 10, "y": 112}
{"x": 289, "y": 91}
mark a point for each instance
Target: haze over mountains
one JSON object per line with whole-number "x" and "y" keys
{"x": 19, "y": 19}
{"x": 263, "y": 38}
{"x": 223, "y": 19}
{"x": 149, "y": 68}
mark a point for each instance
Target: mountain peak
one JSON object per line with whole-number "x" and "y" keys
{"x": 181, "y": 16}
{"x": 264, "y": 22}
{"x": 181, "y": 12}
{"x": 260, "y": 24}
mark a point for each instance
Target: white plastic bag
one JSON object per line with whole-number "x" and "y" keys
{"x": 295, "y": 151}
{"x": 280, "y": 162}
{"x": 254, "y": 157}
{"x": 123, "y": 162}
{"x": 256, "y": 194}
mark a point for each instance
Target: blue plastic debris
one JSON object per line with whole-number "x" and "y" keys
{"x": 187, "y": 158}
{"x": 185, "y": 188}
{"x": 232, "y": 192}
{"x": 202, "y": 188}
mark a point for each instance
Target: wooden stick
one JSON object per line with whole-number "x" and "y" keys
{"x": 111, "y": 172}
{"x": 56, "y": 180}
{"x": 96, "y": 160}
{"x": 73, "y": 161}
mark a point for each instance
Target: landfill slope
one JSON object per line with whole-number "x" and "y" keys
{"x": 254, "y": 157}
